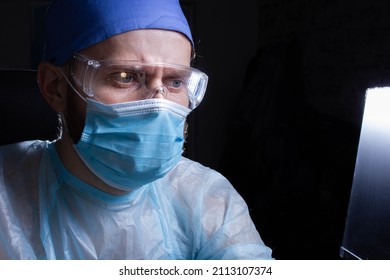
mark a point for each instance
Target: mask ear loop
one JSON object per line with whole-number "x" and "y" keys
{"x": 64, "y": 124}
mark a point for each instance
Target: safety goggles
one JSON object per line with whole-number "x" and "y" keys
{"x": 128, "y": 80}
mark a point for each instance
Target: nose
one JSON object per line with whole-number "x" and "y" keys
{"x": 160, "y": 92}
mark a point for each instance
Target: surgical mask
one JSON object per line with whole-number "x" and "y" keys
{"x": 128, "y": 145}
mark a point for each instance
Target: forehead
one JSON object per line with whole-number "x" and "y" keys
{"x": 151, "y": 45}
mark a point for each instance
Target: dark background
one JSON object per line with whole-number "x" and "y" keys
{"x": 282, "y": 114}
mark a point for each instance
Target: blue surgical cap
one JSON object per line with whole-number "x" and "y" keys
{"x": 72, "y": 25}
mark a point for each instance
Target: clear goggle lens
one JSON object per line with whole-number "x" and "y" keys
{"x": 127, "y": 80}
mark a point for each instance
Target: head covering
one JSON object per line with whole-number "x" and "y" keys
{"x": 72, "y": 25}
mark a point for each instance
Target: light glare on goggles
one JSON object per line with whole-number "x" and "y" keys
{"x": 129, "y": 80}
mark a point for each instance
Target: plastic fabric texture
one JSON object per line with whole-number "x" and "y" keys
{"x": 47, "y": 213}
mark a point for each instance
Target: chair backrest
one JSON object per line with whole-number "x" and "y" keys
{"x": 24, "y": 114}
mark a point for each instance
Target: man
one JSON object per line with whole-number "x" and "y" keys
{"x": 114, "y": 185}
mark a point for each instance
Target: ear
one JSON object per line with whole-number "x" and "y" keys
{"x": 53, "y": 86}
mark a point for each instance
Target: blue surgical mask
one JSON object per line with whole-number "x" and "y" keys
{"x": 128, "y": 145}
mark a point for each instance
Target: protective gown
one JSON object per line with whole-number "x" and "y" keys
{"x": 47, "y": 213}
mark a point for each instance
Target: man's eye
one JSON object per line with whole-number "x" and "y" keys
{"x": 177, "y": 83}
{"x": 174, "y": 83}
{"x": 123, "y": 77}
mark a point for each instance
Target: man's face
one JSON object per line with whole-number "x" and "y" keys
{"x": 148, "y": 45}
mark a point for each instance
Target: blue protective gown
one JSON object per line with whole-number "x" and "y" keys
{"x": 47, "y": 213}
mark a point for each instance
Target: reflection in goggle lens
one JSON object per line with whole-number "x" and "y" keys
{"x": 129, "y": 80}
